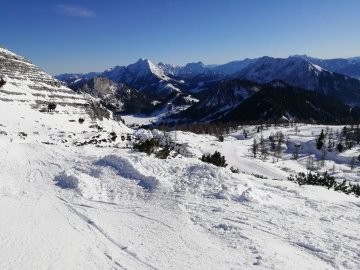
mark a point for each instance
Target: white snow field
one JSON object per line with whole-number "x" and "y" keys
{"x": 86, "y": 207}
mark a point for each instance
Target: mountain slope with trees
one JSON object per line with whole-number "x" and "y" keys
{"x": 286, "y": 103}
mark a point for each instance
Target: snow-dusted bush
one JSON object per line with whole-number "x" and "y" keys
{"x": 163, "y": 153}
{"x": 234, "y": 170}
{"x": 325, "y": 180}
{"x": 113, "y": 136}
{"x": 143, "y": 134}
{"x": 217, "y": 159}
{"x": 148, "y": 146}
{"x": 22, "y": 135}
{"x": 153, "y": 146}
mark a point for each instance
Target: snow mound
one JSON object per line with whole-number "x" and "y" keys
{"x": 110, "y": 179}
{"x": 254, "y": 195}
{"x": 203, "y": 180}
{"x": 126, "y": 170}
{"x": 199, "y": 179}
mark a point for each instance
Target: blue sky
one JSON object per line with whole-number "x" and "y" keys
{"x": 92, "y": 35}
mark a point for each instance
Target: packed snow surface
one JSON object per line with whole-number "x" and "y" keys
{"x": 87, "y": 207}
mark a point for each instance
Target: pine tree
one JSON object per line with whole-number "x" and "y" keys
{"x": 272, "y": 142}
{"x": 340, "y": 148}
{"x": 320, "y": 140}
{"x": 254, "y": 147}
{"x": 263, "y": 149}
{"x": 245, "y": 134}
{"x": 357, "y": 134}
{"x": 296, "y": 151}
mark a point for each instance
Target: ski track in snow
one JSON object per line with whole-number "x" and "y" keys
{"x": 88, "y": 208}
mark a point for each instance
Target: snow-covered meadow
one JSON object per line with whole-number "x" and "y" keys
{"x": 86, "y": 207}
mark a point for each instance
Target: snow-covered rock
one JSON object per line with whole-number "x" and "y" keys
{"x": 27, "y": 83}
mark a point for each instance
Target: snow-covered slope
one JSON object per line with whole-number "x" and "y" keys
{"x": 144, "y": 76}
{"x": 27, "y": 83}
{"x": 346, "y": 66}
{"x": 74, "y": 195}
{"x": 225, "y": 96}
{"x": 278, "y": 101}
{"x": 352, "y": 70}
{"x": 110, "y": 208}
{"x": 188, "y": 71}
{"x": 170, "y": 69}
{"x": 27, "y": 93}
{"x": 302, "y": 73}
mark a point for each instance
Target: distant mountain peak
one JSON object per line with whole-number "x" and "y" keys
{"x": 199, "y": 63}
{"x": 144, "y": 67}
{"x": 143, "y": 61}
{"x": 300, "y": 56}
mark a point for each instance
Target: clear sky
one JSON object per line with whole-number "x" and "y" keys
{"x": 93, "y": 35}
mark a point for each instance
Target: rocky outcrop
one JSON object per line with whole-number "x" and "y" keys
{"x": 26, "y": 82}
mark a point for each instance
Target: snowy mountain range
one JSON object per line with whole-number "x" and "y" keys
{"x": 144, "y": 76}
{"x": 302, "y": 73}
{"x": 346, "y": 66}
{"x": 201, "y": 81}
{"x": 250, "y": 102}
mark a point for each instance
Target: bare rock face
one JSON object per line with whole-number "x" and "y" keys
{"x": 116, "y": 96}
{"x": 2, "y": 82}
{"x": 24, "y": 82}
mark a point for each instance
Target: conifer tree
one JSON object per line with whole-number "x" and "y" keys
{"x": 263, "y": 149}
{"x": 278, "y": 149}
{"x": 320, "y": 140}
{"x": 254, "y": 148}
